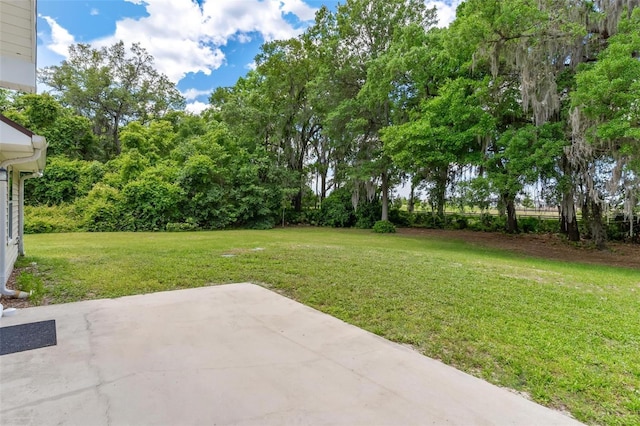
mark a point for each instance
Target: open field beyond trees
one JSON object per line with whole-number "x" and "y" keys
{"x": 566, "y": 334}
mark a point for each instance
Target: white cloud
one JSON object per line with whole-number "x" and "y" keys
{"x": 299, "y": 8}
{"x": 244, "y": 38}
{"x": 196, "y": 107}
{"x": 184, "y": 37}
{"x": 251, "y": 65}
{"x": 94, "y": 12}
{"x": 191, "y": 94}
{"x": 60, "y": 40}
{"x": 446, "y": 11}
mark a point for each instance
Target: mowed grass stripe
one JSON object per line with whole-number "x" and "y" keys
{"x": 566, "y": 334}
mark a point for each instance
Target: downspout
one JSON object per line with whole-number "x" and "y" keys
{"x": 21, "y": 251}
{"x": 3, "y": 219}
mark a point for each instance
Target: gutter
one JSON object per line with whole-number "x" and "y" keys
{"x": 41, "y": 144}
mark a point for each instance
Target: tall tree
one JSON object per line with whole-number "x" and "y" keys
{"x": 67, "y": 133}
{"x": 606, "y": 124}
{"x": 359, "y": 33}
{"x": 112, "y": 86}
{"x": 287, "y": 68}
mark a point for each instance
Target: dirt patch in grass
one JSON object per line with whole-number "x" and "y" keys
{"x": 546, "y": 246}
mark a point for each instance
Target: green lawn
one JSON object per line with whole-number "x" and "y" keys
{"x": 566, "y": 334}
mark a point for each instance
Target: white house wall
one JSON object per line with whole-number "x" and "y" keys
{"x": 11, "y": 247}
{"x": 15, "y": 206}
{"x": 18, "y": 44}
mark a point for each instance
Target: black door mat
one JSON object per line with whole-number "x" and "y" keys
{"x": 24, "y": 337}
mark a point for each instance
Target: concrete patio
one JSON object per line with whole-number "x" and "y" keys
{"x": 235, "y": 354}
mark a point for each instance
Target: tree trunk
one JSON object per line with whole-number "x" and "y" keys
{"x": 297, "y": 201}
{"x": 385, "y": 196}
{"x": 568, "y": 218}
{"x": 441, "y": 188}
{"x": 510, "y": 206}
{"x": 116, "y": 136}
{"x": 586, "y": 217}
{"x": 412, "y": 198}
{"x": 596, "y": 226}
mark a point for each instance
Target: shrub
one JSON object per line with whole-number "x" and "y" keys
{"x": 401, "y": 217}
{"x": 337, "y": 210}
{"x": 493, "y": 223}
{"x": 261, "y": 224}
{"x": 618, "y": 229}
{"x": 49, "y": 219}
{"x": 367, "y": 214}
{"x": 428, "y": 220}
{"x": 58, "y": 185}
{"x": 189, "y": 225}
{"x": 549, "y": 226}
{"x": 529, "y": 225}
{"x": 455, "y": 221}
{"x": 312, "y": 216}
{"x": 384, "y": 227}
{"x": 152, "y": 203}
{"x": 102, "y": 210}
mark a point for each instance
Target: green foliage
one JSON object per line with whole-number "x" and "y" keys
{"x": 58, "y": 185}
{"x": 29, "y": 281}
{"x": 337, "y": 209}
{"x": 63, "y": 181}
{"x": 536, "y": 225}
{"x": 51, "y": 219}
{"x": 91, "y": 173}
{"x": 456, "y": 221}
{"x": 112, "y": 86}
{"x": 189, "y": 225}
{"x": 619, "y": 229}
{"x": 368, "y": 214}
{"x": 401, "y": 218}
{"x": 472, "y": 115}
{"x": 103, "y": 210}
{"x": 607, "y": 93}
{"x": 152, "y": 203}
{"x": 384, "y": 227}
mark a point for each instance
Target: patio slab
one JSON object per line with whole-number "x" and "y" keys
{"x": 235, "y": 354}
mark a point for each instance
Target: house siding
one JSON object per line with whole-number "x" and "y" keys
{"x": 11, "y": 252}
{"x": 17, "y": 29}
{"x": 18, "y": 45}
{"x": 15, "y": 206}
{"x": 11, "y": 256}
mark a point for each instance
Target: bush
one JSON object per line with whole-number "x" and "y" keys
{"x": 312, "y": 217}
{"x": 428, "y": 220}
{"x": 384, "y": 227}
{"x": 102, "y": 210}
{"x": 455, "y": 221}
{"x": 529, "y": 225}
{"x": 488, "y": 223}
{"x": 58, "y": 185}
{"x": 189, "y": 225}
{"x": 337, "y": 210}
{"x": 152, "y": 203}
{"x": 618, "y": 229}
{"x": 367, "y": 214}
{"x": 261, "y": 224}
{"x": 401, "y": 218}
{"x": 50, "y": 219}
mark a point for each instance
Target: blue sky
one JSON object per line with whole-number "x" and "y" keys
{"x": 200, "y": 44}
